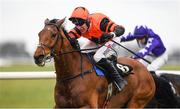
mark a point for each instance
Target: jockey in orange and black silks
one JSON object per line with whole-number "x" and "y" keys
{"x": 99, "y": 29}
{"x": 98, "y": 26}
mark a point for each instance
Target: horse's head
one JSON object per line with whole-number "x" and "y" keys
{"x": 48, "y": 38}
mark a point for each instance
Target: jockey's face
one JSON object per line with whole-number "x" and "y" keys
{"x": 80, "y": 24}
{"x": 83, "y": 28}
{"x": 142, "y": 40}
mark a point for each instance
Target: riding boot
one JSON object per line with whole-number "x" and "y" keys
{"x": 112, "y": 73}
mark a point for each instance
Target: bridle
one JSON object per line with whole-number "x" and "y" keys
{"x": 52, "y": 53}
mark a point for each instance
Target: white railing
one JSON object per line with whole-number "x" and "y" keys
{"x": 51, "y": 74}
{"x": 26, "y": 75}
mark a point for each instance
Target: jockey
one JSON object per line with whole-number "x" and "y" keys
{"x": 152, "y": 46}
{"x": 99, "y": 29}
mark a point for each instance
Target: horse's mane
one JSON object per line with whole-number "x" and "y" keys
{"x": 53, "y": 21}
{"x": 64, "y": 30}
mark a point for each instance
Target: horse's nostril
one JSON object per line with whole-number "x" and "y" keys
{"x": 38, "y": 59}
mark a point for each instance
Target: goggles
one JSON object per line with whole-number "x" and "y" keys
{"x": 78, "y": 22}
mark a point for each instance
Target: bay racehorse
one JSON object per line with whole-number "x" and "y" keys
{"x": 77, "y": 84}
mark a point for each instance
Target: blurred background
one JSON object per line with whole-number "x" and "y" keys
{"x": 22, "y": 20}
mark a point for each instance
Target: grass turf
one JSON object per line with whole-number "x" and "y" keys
{"x": 27, "y": 93}
{"x": 32, "y": 93}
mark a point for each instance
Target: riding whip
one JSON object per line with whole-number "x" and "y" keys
{"x": 131, "y": 51}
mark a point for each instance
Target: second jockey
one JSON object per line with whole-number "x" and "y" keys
{"x": 152, "y": 47}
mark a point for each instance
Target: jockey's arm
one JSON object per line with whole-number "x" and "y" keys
{"x": 129, "y": 37}
{"x": 73, "y": 35}
{"x": 107, "y": 26}
{"x": 110, "y": 30}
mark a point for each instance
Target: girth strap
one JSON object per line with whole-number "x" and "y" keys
{"x": 67, "y": 78}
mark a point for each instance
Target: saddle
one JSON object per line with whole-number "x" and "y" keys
{"x": 126, "y": 69}
{"x": 123, "y": 69}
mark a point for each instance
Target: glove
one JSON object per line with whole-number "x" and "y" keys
{"x": 106, "y": 37}
{"x": 74, "y": 43}
{"x": 132, "y": 57}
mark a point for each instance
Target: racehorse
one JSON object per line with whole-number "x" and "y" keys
{"x": 174, "y": 81}
{"x": 77, "y": 84}
{"x": 166, "y": 95}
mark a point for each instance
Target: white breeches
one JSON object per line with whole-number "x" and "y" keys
{"x": 103, "y": 52}
{"x": 156, "y": 62}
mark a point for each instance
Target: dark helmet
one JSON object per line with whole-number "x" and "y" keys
{"x": 140, "y": 31}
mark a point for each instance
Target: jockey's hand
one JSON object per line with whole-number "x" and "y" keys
{"x": 134, "y": 57}
{"x": 131, "y": 57}
{"x": 74, "y": 43}
{"x": 106, "y": 37}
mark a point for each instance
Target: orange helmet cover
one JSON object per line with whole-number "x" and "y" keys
{"x": 80, "y": 12}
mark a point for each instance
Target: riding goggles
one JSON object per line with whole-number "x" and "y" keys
{"x": 78, "y": 22}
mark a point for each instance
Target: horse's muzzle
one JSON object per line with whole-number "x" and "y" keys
{"x": 39, "y": 60}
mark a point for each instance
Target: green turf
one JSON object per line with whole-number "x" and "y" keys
{"x": 27, "y": 93}
{"x": 171, "y": 67}
{"x": 33, "y": 93}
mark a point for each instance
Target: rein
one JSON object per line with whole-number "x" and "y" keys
{"x": 70, "y": 77}
{"x": 81, "y": 50}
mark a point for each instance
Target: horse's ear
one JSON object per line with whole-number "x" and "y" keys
{"x": 46, "y": 21}
{"x": 60, "y": 22}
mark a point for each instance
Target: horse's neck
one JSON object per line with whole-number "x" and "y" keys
{"x": 67, "y": 64}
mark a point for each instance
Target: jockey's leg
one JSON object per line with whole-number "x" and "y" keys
{"x": 101, "y": 56}
{"x": 87, "y": 44}
{"x": 113, "y": 73}
{"x": 158, "y": 62}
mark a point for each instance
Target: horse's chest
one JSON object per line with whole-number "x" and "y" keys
{"x": 69, "y": 96}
